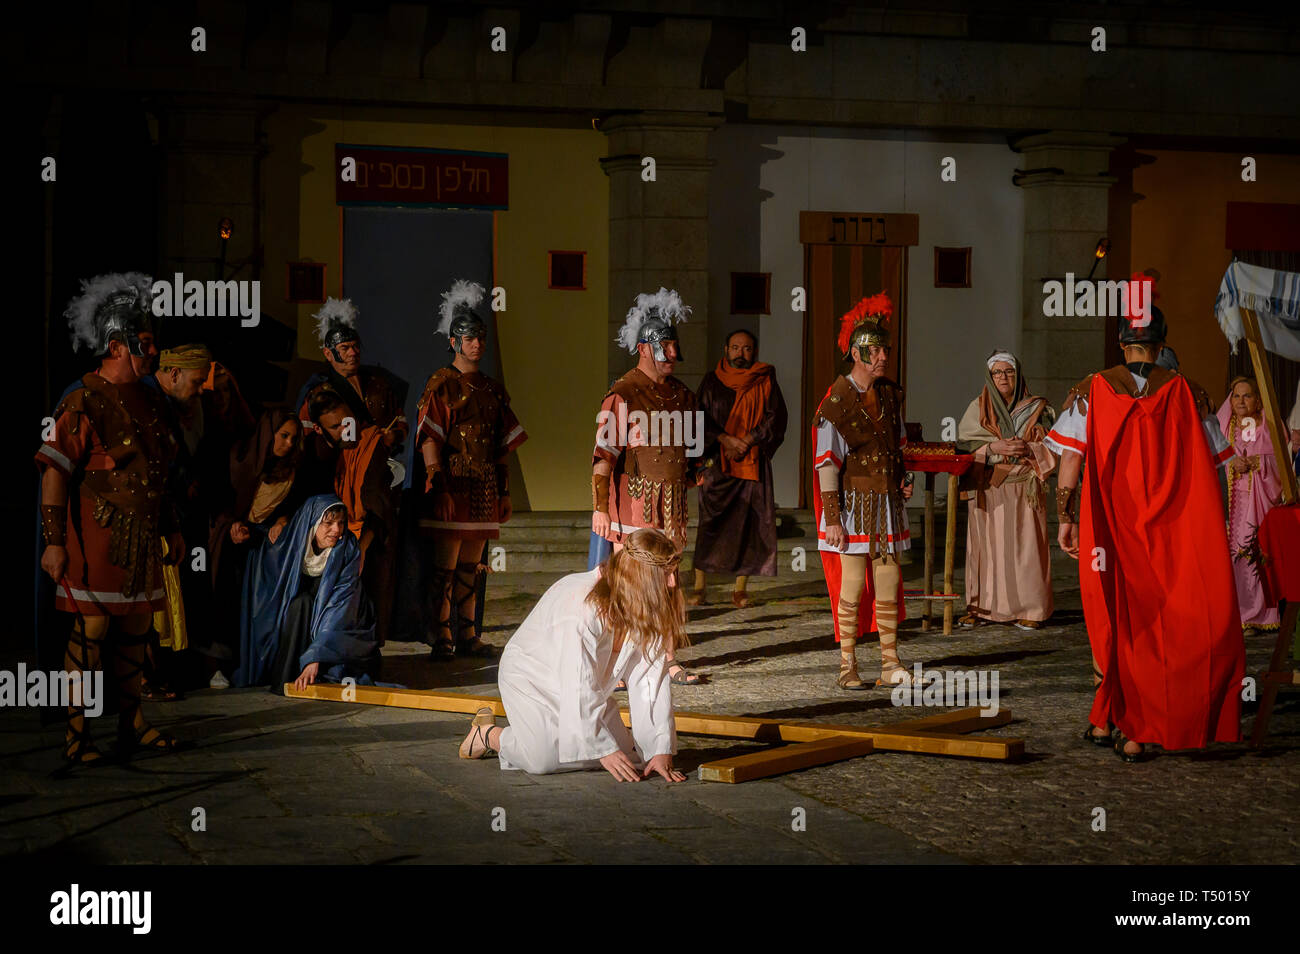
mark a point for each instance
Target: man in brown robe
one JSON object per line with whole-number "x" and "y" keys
{"x": 363, "y": 481}
{"x": 744, "y": 424}
{"x": 1008, "y": 553}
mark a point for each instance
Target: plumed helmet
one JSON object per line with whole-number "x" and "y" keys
{"x": 458, "y": 314}
{"x": 651, "y": 321}
{"x": 336, "y": 322}
{"x": 1141, "y": 322}
{"x": 114, "y": 307}
{"x": 867, "y": 323}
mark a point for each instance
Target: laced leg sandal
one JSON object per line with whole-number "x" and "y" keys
{"x": 133, "y": 732}
{"x": 465, "y": 596}
{"x": 892, "y": 671}
{"x": 848, "y": 677}
{"x": 478, "y": 744}
{"x": 78, "y": 749}
{"x": 439, "y": 594}
{"x": 1090, "y": 733}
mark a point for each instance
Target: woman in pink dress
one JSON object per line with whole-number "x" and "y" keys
{"x": 1253, "y": 490}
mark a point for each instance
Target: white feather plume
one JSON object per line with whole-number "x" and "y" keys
{"x": 80, "y": 312}
{"x": 468, "y": 294}
{"x": 340, "y": 310}
{"x": 666, "y": 302}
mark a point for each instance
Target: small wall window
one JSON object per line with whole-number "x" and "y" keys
{"x": 305, "y": 283}
{"x": 751, "y": 293}
{"x": 567, "y": 271}
{"x": 951, "y": 267}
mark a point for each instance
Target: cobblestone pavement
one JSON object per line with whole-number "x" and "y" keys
{"x": 284, "y": 780}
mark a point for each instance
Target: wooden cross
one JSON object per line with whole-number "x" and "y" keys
{"x": 812, "y": 743}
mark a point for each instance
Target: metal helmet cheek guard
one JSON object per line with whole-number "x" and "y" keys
{"x": 124, "y": 318}
{"x": 113, "y": 307}
{"x": 336, "y": 323}
{"x": 465, "y": 324}
{"x": 654, "y": 332}
{"x": 651, "y": 321}
{"x": 456, "y": 314}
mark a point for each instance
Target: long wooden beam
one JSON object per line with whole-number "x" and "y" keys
{"x": 919, "y": 735}
{"x": 787, "y": 758}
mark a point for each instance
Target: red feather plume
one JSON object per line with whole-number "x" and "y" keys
{"x": 1139, "y": 278}
{"x": 878, "y": 304}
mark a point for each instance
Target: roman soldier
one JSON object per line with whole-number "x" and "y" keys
{"x": 465, "y": 432}
{"x": 373, "y": 395}
{"x": 1137, "y": 494}
{"x": 104, "y": 504}
{"x": 862, "y": 523}
{"x": 648, "y": 420}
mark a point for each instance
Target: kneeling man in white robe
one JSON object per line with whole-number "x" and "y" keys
{"x": 558, "y": 672}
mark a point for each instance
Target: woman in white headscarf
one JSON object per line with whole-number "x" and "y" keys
{"x": 1008, "y": 555}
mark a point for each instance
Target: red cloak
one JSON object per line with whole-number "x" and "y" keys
{"x": 1161, "y": 611}
{"x": 831, "y": 568}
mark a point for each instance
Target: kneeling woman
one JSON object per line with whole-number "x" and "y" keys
{"x": 305, "y": 617}
{"x": 558, "y": 672}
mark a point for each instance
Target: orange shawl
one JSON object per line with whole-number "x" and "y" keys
{"x": 351, "y": 474}
{"x": 753, "y": 387}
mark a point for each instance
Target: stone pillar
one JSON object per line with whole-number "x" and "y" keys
{"x": 1066, "y": 189}
{"x": 659, "y": 231}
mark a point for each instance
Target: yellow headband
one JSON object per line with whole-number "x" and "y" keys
{"x": 185, "y": 357}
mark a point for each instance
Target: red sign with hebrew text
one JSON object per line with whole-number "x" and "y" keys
{"x": 441, "y": 178}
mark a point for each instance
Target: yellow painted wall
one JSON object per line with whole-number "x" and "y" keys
{"x": 552, "y": 342}
{"x": 1178, "y": 229}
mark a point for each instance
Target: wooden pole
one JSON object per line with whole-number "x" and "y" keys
{"x": 949, "y": 553}
{"x": 787, "y": 758}
{"x": 927, "y": 617}
{"x": 1268, "y": 397}
{"x": 941, "y": 734}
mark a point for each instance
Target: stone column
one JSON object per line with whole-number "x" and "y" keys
{"x": 659, "y": 231}
{"x": 1065, "y": 182}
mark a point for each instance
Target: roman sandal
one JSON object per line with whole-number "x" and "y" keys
{"x": 476, "y": 744}
{"x": 78, "y": 748}
{"x": 849, "y": 678}
{"x": 468, "y": 642}
{"x": 895, "y": 674}
{"x": 133, "y": 732}
{"x": 1120, "y": 749}
{"x": 443, "y": 647}
{"x": 679, "y": 675}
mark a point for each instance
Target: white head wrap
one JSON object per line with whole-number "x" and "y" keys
{"x": 997, "y": 356}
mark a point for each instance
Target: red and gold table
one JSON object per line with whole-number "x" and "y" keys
{"x": 954, "y": 465}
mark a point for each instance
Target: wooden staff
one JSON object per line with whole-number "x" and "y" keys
{"x": 1259, "y": 357}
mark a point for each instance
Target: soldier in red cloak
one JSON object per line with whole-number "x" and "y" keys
{"x": 1139, "y": 445}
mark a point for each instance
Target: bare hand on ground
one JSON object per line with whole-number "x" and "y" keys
{"x": 620, "y": 766}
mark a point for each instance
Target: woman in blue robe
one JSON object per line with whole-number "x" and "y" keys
{"x": 305, "y": 617}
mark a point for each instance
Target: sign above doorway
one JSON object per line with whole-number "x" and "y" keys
{"x": 422, "y": 178}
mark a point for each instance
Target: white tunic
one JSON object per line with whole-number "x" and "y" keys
{"x": 557, "y": 677}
